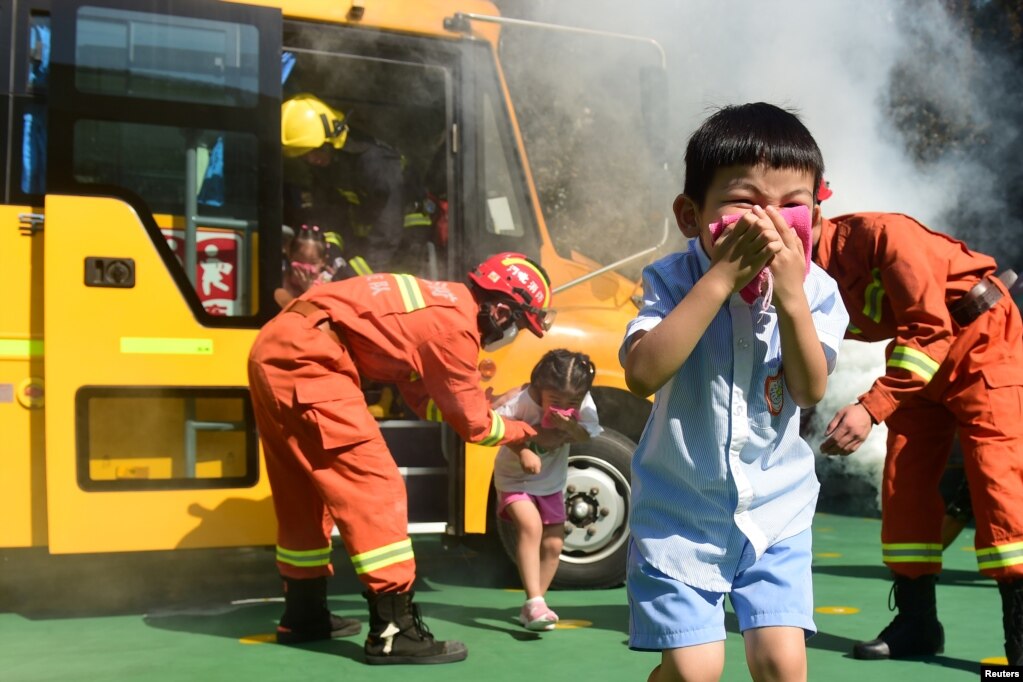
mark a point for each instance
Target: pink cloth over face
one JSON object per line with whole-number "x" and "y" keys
{"x": 796, "y": 217}
{"x": 548, "y": 421}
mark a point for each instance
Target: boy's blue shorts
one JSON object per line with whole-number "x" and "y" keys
{"x": 665, "y": 613}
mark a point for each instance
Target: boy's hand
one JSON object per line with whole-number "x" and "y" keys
{"x": 789, "y": 262}
{"x": 847, "y": 430}
{"x": 530, "y": 461}
{"x": 746, "y": 248}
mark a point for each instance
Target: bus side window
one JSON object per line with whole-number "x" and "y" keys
{"x": 33, "y": 136}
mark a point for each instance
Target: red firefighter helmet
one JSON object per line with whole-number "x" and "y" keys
{"x": 523, "y": 284}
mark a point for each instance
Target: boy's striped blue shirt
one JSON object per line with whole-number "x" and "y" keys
{"x": 721, "y": 459}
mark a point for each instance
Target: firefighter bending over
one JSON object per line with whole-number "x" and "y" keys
{"x": 352, "y": 185}
{"x": 954, "y": 363}
{"x": 325, "y": 456}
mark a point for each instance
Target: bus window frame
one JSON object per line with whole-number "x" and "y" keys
{"x": 14, "y": 27}
{"x": 86, "y": 393}
{"x": 482, "y": 79}
{"x": 67, "y": 106}
{"x": 25, "y": 10}
{"x": 449, "y": 55}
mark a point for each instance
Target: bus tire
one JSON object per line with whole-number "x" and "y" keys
{"x": 598, "y": 497}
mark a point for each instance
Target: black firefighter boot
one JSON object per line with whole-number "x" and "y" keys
{"x": 397, "y": 633}
{"x": 306, "y": 616}
{"x": 1012, "y": 619}
{"x": 915, "y": 630}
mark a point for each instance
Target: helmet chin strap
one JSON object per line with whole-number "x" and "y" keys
{"x": 494, "y": 335}
{"x": 507, "y": 337}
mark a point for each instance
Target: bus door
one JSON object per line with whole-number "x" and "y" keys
{"x": 398, "y": 90}
{"x": 162, "y": 243}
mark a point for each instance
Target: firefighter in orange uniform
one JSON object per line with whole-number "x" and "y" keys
{"x": 954, "y": 361}
{"x": 325, "y": 456}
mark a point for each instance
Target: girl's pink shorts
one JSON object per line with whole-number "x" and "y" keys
{"x": 552, "y": 507}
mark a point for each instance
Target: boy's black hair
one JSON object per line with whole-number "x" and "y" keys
{"x": 749, "y": 135}
{"x": 563, "y": 370}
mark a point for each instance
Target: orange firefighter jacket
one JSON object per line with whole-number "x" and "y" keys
{"x": 423, "y": 337}
{"x": 897, "y": 279}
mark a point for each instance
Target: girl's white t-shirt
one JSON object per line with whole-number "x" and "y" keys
{"x": 508, "y": 474}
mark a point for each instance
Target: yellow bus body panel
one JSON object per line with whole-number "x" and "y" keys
{"x": 424, "y": 17}
{"x": 22, "y": 462}
{"x": 85, "y": 329}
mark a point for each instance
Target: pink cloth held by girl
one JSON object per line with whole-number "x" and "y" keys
{"x": 547, "y": 421}
{"x": 796, "y": 217}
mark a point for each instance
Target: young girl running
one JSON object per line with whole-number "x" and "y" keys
{"x": 530, "y": 478}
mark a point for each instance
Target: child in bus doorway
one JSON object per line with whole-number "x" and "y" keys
{"x": 723, "y": 487}
{"x": 530, "y": 479}
{"x": 305, "y": 266}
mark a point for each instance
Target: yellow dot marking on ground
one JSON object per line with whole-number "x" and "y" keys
{"x": 568, "y": 624}
{"x": 837, "y": 610}
{"x": 995, "y": 661}
{"x": 827, "y": 555}
{"x": 267, "y": 638}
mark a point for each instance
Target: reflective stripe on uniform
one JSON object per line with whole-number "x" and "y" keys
{"x": 382, "y": 557}
{"x": 418, "y": 219}
{"x": 911, "y": 552}
{"x": 496, "y": 434}
{"x": 433, "y": 412}
{"x": 411, "y": 294}
{"x": 1000, "y": 556}
{"x": 306, "y": 557}
{"x": 360, "y": 266}
{"x": 335, "y": 239}
{"x": 872, "y": 297}
{"x": 914, "y": 361}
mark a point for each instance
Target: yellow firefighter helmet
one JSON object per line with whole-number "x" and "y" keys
{"x": 307, "y": 123}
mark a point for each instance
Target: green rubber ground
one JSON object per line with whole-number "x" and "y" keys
{"x": 210, "y": 618}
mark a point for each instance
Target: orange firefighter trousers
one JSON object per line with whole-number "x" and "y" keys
{"x": 978, "y": 391}
{"x": 326, "y": 458}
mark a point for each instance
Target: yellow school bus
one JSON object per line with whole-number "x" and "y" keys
{"x": 141, "y": 239}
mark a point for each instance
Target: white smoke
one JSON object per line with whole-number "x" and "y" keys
{"x": 831, "y": 62}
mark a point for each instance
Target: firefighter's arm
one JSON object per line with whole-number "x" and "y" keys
{"x": 452, "y": 381}
{"x": 915, "y": 290}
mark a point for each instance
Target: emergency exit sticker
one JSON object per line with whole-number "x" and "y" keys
{"x": 166, "y": 346}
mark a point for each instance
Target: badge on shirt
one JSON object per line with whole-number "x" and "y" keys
{"x": 774, "y": 392}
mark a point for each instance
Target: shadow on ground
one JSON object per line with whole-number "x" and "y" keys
{"x": 36, "y": 584}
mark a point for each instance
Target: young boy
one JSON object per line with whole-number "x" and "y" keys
{"x": 954, "y": 363}
{"x": 723, "y": 487}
